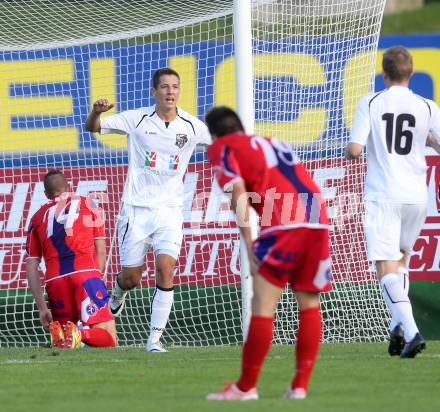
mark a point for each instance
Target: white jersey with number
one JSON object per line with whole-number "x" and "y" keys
{"x": 158, "y": 154}
{"x": 394, "y": 125}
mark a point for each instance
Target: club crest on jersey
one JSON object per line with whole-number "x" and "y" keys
{"x": 181, "y": 140}
{"x": 91, "y": 309}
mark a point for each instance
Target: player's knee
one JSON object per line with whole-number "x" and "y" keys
{"x": 164, "y": 274}
{"x": 132, "y": 282}
{"x": 307, "y": 300}
{"x": 404, "y": 259}
{"x": 256, "y": 306}
{"x": 131, "y": 278}
{"x": 261, "y": 306}
{"x": 111, "y": 329}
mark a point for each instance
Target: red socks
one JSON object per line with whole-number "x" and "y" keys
{"x": 255, "y": 350}
{"x": 307, "y": 345}
{"x": 97, "y": 337}
{"x": 258, "y": 344}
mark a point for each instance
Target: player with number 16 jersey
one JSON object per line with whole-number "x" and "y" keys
{"x": 395, "y": 125}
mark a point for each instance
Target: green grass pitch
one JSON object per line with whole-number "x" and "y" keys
{"x": 356, "y": 377}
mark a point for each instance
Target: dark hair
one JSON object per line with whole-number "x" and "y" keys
{"x": 397, "y": 63}
{"x": 53, "y": 186}
{"x": 222, "y": 121}
{"x": 163, "y": 72}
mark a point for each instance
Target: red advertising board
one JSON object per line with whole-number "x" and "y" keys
{"x": 210, "y": 251}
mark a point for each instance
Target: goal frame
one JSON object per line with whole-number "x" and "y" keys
{"x": 242, "y": 18}
{"x": 297, "y": 61}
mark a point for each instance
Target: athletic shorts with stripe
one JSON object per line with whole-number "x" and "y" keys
{"x": 79, "y": 296}
{"x": 300, "y": 257}
{"x": 140, "y": 228}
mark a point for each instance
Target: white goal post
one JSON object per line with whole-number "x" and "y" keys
{"x": 309, "y": 63}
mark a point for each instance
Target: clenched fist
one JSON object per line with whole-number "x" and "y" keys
{"x": 102, "y": 105}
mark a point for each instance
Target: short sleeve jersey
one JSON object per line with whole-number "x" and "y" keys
{"x": 63, "y": 232}
{"x": 159, "y": 153}
{"x": 394, "y": 125}
{"x": 281, "y": 190}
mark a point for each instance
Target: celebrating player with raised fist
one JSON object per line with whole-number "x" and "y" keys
{"x": 161, "y": 140}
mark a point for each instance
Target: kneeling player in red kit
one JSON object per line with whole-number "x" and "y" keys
{"x": 68, "y": 233}
{"x": 292, "y": 247}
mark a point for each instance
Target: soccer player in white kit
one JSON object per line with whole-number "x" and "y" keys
{"x": 394, "y": 125}
{"x": 161, "y": 140}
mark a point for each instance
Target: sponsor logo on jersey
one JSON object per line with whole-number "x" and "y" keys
{"x": 150, "y": 159}
{"x": 174, "y": 162}
{"x": 181, "y": 140}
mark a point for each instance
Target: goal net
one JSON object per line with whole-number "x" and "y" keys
{"x": 312, "y": 61}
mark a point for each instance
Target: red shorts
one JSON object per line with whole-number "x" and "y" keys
{"x": 298, "y": 256}
{"x": 79, "y": 296}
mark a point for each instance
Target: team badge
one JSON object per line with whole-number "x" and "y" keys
{"x": 91, "y": 309}
{"x": 181, "y": 140}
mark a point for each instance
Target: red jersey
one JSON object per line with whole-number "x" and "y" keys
{"x": 63, "y": 233}
{"x": 280, "y": 189}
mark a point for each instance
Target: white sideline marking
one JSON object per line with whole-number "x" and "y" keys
{"x": 28, "y": 361}
{"x": 159, "y": 359}
{"x": 150, "y": 359}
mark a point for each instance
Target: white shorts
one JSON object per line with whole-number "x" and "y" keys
{"x": 391, "y": 228}
{"x": 139, "y": 228}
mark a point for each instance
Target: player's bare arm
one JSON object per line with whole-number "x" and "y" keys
{"x": 353, "y": 150}
{"x": 34, "y": 282}
{"x": 101, "y": 253}
{"x": 93, "y": 122}
{"x": 241, "y": 206}
{"x": 431, "y": 141}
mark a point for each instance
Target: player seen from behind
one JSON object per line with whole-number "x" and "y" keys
{"x": 292, "y": 247}
{"x": 394, "y": 124}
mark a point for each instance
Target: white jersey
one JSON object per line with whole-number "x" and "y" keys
{"x": 158, "y": 154}
{"x": 394, "y": 124}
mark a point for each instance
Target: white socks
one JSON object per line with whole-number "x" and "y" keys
{"x": 118, "y": 291}
{"x": 398, "y": 302}
{"x": 404, "y": 280}
{"x": 160, "y": 311}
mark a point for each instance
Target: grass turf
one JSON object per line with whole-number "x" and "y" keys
{"x": 357, "y": 377}
{"x": 423, "y": 20}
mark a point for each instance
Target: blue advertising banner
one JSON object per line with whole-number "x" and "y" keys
{"x": 46, "y": 95}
